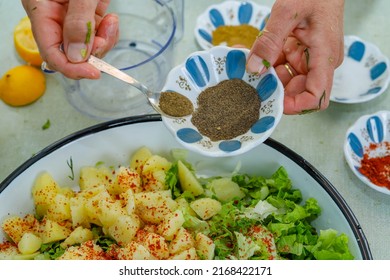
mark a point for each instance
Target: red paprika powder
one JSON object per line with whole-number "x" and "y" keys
{"x": 377, "y": 169}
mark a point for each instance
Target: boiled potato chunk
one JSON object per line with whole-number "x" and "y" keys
{"x": 53, "y": 231}
{"x": 15, "y": 227}
{"x": 154, "y": 173}
{"x": 86, "y": 251}
{"x": 155, "y": 163}
{"x": 134, "y": 251}
{"x": 68, "y": 192}
{"x": 78, "y": 212}
{"x": 183, "y": 240}
{"x": 44, "y": 191}
{"x": 226, "y": 190}
{"x": 9, "y": 253}
{"x": 171, "y": 224}
{"x": 155, "y": 244}
{"x": 92, "y": 205}
{"x": 78, "y": 236}
{"x": 59, "y": 209}
{"x": 188, "y": 180}
{"x": 124, "y": 229}
{"x": 91, "y": 177}
{"x": 189, "y": 254}
{"x": 29, "y": 243}
{"x": 139, "y": 158}
{"x": 128, "y": 201}
{"x": 126, "y": 178}
{"x": 153, "y": 207}
{"x": 109, "y": 211}
{"x": 204, "y": 246}
{"x": 206, "y": 207}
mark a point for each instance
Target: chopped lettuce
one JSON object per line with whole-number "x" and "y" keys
{"x": 270, "y": 222}
{"x": 51, "y": 251}
{"x": 332, "y": 246}
{"x": 246, "y": 247}
{"x": 172, "y": 180}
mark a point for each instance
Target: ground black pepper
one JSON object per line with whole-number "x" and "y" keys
{"x": 175, "y": 104}
{"x": 226, "y": 110}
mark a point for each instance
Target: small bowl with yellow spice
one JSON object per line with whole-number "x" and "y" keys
{"x": 231, "y": 23}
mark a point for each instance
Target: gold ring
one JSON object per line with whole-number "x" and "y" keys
{"x": 288, "y": 68}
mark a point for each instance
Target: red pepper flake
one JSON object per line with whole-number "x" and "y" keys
{"x": 377, "y": 168}
{"x": 6, "y": 245}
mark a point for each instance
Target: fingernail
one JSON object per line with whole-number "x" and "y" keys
{"x": 76, "y": 52}
{"x": 255, "y": 64}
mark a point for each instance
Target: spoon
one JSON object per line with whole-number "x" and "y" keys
{"x": 153, "y": 97}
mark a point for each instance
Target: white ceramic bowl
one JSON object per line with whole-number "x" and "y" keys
{"x": 363, "y": 75}
{"x": 228, "y": 13}
{"x": 207, "y": 68}
{"x": 368, "y": 129}
{"x": 113, "y": 142}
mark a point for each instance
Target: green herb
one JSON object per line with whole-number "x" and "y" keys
{"x": 70, "y": 164}
{"x": 52, "y": 250}
{"x": 105, "y": 242}
{"x": 266, "y": 63}
{"x": 83, "y": 53}
{"x": 99, "y": 163}
{"x": 46, "y": 125}
{"x": 89, "y": 32}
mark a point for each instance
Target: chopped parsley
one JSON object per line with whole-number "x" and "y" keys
{"x": 89, "y": 32}
{"x": 46, "y": 125}
{"x": 266, "y": 63}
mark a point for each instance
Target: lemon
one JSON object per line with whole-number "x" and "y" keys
{"x": 22, "y": 85}
{"x": 25, "y": 44}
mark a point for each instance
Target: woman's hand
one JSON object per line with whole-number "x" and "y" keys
{"x": 304, "y": 41}
{"x": 80, "y": 27}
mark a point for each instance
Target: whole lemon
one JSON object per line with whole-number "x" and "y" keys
{"x": 22, "y": 85}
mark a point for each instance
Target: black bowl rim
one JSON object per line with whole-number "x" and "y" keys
{"x": 310, "y": 169}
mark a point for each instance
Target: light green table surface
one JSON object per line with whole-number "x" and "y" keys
{"x": 316, "y": 137}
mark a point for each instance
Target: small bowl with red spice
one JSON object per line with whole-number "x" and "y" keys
{"x": 367, "y": 150}
{"x": 234, "y": 111}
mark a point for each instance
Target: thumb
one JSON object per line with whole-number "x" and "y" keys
{"x": 79, "y": 29}
{"x": 269, "y": 43}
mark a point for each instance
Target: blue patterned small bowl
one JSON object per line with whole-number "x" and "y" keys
{"x": 366, "y": 130}
{"x": 363, "y": 75}
{"x": 228, "y": 13}
{"x": 207, "y": 68}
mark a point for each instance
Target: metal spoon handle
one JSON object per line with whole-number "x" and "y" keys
{"x": 115, "y": 72}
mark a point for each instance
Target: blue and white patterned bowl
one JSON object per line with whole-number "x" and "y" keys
{"x": 363, "y": 75}
{"x": 207, "y": 68}
{"x": 366, "y": 130}
{"x": 228, "y": 13}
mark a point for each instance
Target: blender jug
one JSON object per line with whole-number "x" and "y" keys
{"x": 177, "y": 7}
{"x": 148, "y": 32}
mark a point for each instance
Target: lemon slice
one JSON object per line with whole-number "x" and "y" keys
{"x": 25, "y": 44}
{"x": 22, "y": 85}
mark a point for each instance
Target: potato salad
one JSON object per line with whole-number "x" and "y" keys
{"x": 158, "y": 208}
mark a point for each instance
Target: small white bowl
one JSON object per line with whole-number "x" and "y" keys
{"x": 228, "y": 13}
{"x": 368, "y": 129}
{"x": 363, "y": 75}
{"x": 207, "y": 68}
